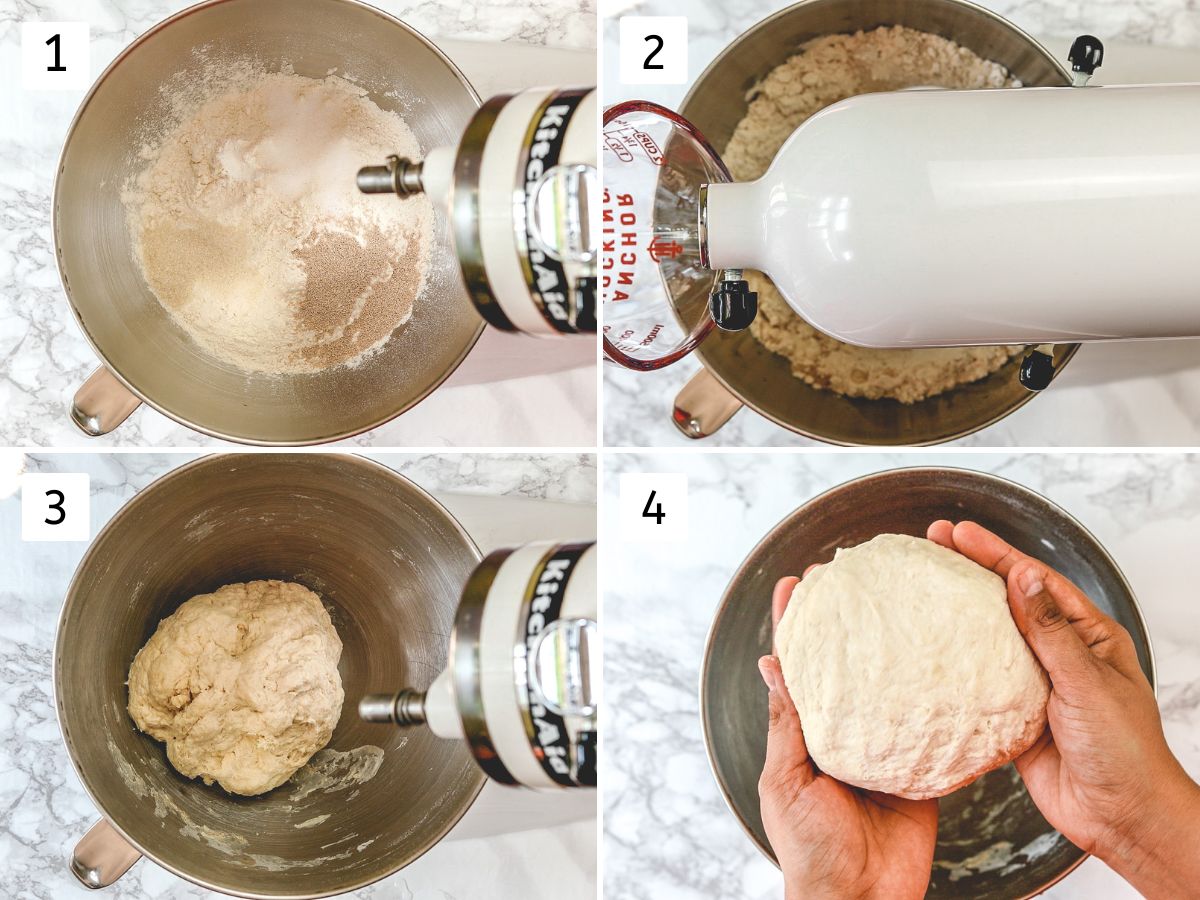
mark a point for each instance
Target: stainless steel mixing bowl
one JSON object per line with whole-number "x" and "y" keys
{"x": 141, "y": 347}
{"x": 388, "y": 561}
{"x": 759, "y": 378}
{"x": 734, "y": 702}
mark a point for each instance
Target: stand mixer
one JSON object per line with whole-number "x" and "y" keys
{"x": 520, "y": 684}
{"x": 519, "y": 189}
{"x": 920, "y": 218}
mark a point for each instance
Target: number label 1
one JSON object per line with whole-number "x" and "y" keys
{"x": 56, "y": 56}
{"x": 55, "y": 506}
{"x": 653, "y": 50}
{"x": 653, "y": 507}
{"x": 54, "y": 40}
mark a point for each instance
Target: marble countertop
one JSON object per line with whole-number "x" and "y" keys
{"x": 496, "y": 398}
{"x": 1116, "y": 395}
{"x": 667, "y": 831}
{"x": 43, "y": 808}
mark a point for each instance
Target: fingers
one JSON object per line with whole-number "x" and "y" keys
{"x": 1101, "y": 634}
{"x": 989, "y": 550}
{"x": 1047, "y": 629}
{"x": 942, "y": 532}
{"x": 780, "y": 597}
{"x": 787, "y": 766}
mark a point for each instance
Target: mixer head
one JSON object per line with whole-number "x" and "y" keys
{"x": 521, "y": 682}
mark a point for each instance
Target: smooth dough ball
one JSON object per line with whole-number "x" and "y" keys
{"x": 907, "y": 670}
{"x": 242, "y": 684}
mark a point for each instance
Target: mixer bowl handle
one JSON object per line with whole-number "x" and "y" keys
{"x": 102, "y": 403}
{"x": 102, "y": 856}
{"x": 703, "y": 406}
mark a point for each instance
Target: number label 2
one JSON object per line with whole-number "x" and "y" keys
{"x": 653, "y": 50}
{"x": 658, "y": 41}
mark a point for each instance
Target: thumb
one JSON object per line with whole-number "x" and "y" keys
{"x": 1048, "y": 631}
{"x": 787, "y": 767}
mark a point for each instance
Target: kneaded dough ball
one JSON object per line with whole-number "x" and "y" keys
{"x": 907, "y": 670}
{"x": 242, "y": 684}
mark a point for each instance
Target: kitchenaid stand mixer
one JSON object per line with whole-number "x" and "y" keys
{"x": 920, "y": 218}
{"x": 518, "y": 189}
{"x": 520, "y": 684}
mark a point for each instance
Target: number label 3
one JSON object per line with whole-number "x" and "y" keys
{"x": 55, "y": 507}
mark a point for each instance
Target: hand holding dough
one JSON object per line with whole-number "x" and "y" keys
{"x": 907, "y": 670}
{"x": 242, "y": 684}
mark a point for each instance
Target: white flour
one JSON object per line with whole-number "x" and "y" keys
{"x": 249, "y": 229}
{"x": 823, "y": 72}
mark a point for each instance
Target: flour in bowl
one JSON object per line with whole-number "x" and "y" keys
{"x": 248, "y": 227}
{"x": 824, "y": 71}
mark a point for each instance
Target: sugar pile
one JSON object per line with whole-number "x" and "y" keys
{"x": 824, "y": 71}
{"x": 249, "y": 229}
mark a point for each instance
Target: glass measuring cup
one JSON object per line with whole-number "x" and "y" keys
{"x": 660, "y": 299}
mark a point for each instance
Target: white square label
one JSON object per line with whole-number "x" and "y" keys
{"x": 55, "y": 56}
{"x": 654, "y": 507}
{"x": 654, "y": 49}
{"x": 55, "y": 507}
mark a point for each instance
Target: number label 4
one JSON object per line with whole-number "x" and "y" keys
{"x": 653, "y": 507}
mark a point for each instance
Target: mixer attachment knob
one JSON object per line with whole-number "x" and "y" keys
{"x": 1037, "y": 370}
{"x": 399, "y": 176}
{"x": 733, "y": 305}
{"x": 1085, "y": 56}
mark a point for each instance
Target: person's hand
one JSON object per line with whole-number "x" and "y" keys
{"x": 1102, "y": 773}
{"x": 833, "y": 840}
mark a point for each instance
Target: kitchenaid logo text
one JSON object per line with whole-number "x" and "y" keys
{"x": 549, "y": 277}
{"x": 547, "y": 597}
{"x": 552, "y": 745}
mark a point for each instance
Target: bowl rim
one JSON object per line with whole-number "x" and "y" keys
{"x": 725, "y": 604}
{"x": 103, "y": 358}
{"x": 71, "y": 596}
{"x": 1068, "y": 351}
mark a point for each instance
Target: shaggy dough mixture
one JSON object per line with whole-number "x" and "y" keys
{"x": 826, "y": 70}
{"x": 242, "y": 684}
{"x": 907, "y": 670}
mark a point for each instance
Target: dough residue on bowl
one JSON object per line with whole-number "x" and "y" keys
{"x": 241, "y": 685}
{"x": 824, "y": 71}
{"x": 248, "y": 227}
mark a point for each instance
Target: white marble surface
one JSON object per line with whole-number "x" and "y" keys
{"x": 43, "y": 355}
{"x": 1117, "y": 395}
{"x": 43, "y": 808}
{"x": 667, "y": 831}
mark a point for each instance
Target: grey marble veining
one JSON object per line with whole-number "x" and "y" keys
{"x": 1116, "y": 395}
{"x": 667, "y": 830}
{"x": 43, "y": 355}
{"x": 43, "y": 808}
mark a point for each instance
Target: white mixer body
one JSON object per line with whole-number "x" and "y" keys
{"x": 944, "y": 218}
{"x": 487, "y": 694}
